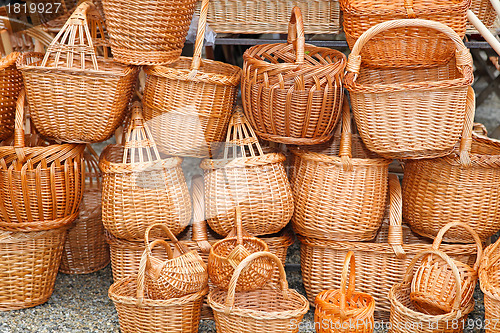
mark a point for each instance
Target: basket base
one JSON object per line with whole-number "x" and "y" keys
{"x": 86, "y": 270}
{"x": 414, "y": 155}
{"x": 429, "y": 305}
{"x": 139, "y": 58}
{"x": 16, "y": 305}
{"x": 293, "y": 141}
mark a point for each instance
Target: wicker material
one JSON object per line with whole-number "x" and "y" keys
{"x": 485, "y": 12}
{"x": 489, "y": 278}
{"x": 248, "y": 178}
{"x": 175, "y": 277}
{"x": 345, "y": 308}
{"x": 410, "y": 113}
{"x": 270, "y": 309}
{"x": 340, "y": 191}
{"x": 188, "y": 103}
{"x": 292, "y": 93}
{"x": 271, "y": 17}
{"x": 404, "y": 46}
{"x": 406, "y": 319}
{"x": 74, "y": 95}
{"x": 41, "y": 185}
{"x": 86, "y": 249}
{"x": 433, "y": 286}
{"x": 140, "y": 188}
{"x": 321, "y": 260}
{"x": 144, "y": 32}
{"x": 10, "y": 85}
{"x": 226, "y": 255}
{"x": 30, "y": 261}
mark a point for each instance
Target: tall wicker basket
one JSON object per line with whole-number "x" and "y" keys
{"x": 10, "y": 86}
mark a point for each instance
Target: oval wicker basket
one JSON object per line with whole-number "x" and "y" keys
{"x": 489, "y": 278}
{"x": 144, "y": 32}
{"x": 410, "y": 113}
{"x": 340, "y": 190}
{"x": 139, "y": 187}
{"x": 74, "y": 95}
{"x": 433, "y": 287}
{"x": 292, "y": 93}
{"x": 11, "y": 83}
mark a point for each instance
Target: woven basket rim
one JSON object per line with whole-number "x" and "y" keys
{"x": 484, "y": 277}
{"x": 308, "y": 155}
{"x": 217, "y": 244}
{"x": 241, "y": 162}
{"x": 9, "y": 60}
{"x": 346, "y": 6}
{"x": 349, "y": 312}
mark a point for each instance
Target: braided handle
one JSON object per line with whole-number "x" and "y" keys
{"x": 199, "y": 224}
{"x": 200, "y": 36}
{"x": 296, "y": 34}
{"x": 408, "y": 4}
{"x": 345, "y": 150}
{"x": 395, "y": 238}
{"x": 468, "y": 129}
{"x": 181, "y": 247}
{"x": 346, "y": 293}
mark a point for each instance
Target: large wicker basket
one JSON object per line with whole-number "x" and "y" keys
{"x": 410, "y": 113}
{"x": 404, "y": 46}
{"x": 322, "y": 259}
{"x": 340, "y": 190}
{"x": 144, "y": 32}
{"x": 292, "y": 93}
{"x": 10, "y": 85}
{"x": 489, "y": 278}
{"x": 188, "y": 103}
{"x": 74, "y": 95}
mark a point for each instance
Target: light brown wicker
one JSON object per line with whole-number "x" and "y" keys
{"x": 340, "y": 191}
{"x": 86, "y": 249}
{"x": 248, "y": 178}
{"x": 30, "y": 261}
{"x": 226, "y": 254}
{"x": 292, "y": 93}
{"x": 321, "y": 260}
{"x": 41, "y": 185}
{"x": 139, "y": 187}
{"x": 408, "y": 46}
{"x": 442, "y": 190}
{"x": 406, "y": 319}
{"x": 270, "y": 309}
{"x": 11, "y": 83}
{"x": 144, "y": 32}
{"x": 344, "y": 310}
{"x": 179, "y": 275}
{"x": 485, "y": 12}
{"x": 74, "y": 95}
{"x": 410, "y": 113}
{"x": 433, "y": 285}
{"x": 188, "y": 103}
{"x": 489, "y": 278}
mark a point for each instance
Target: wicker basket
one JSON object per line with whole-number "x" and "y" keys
{"x": 344, "y": 308}
{"x": 442, "y": 190}
{"x": 270, "y": 309}
{"x": 144, "y": 32}
{"x": 30, "y": 261}
{"x": 175, "y": 277}
{"x": 248, "y": 178}
{"x": 485, "y": 12}
{"x": 433, "y": 285}
{"x": 340, "y": 191}
{"x": 139, "y": 187}
{"x": 74, "y": 95}
{"x": 321, "y": 260}
{"x": 41, "y": 185}
{"x": 86, "y": 249}
{"x": 188, "y": 103}
{"x": 404, "y": 46}
{"x": 292, "y": 93}
{"x": 11, "y": 84}
{"x": 410, "y": 113}
{"x": 489, "y": 278}
{"x": 406, "y": 319}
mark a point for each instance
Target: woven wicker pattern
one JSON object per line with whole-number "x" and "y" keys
{"x": 188, "y": 104}
{"x": 404, "y": 46}
{"x": 340, "y": 190}
{"x": 30, "y": 261}
{"x": 250, "y": 179}
{"x": 321, "y": 260}
{"x": 10, "y": 86}
{"x": 74, "y": 95}
{"x": 345, "y": 307}
{"x": 270, "y": 309}
{"x": 489, "y": 278}
{"x": 144, "y": 32}
{"x": 485, "y": 12}
{"x": 410, "y": 113}
{"x": 86, "y": 249}
{"x": 41, "y": 185}
{"x": 292, "y": 93}
{"x": 268, "y": 17}
{"x": 140, "y": 188}
{"x": 406, "y": 319}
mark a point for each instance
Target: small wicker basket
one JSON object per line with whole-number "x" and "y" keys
{"x": 11, "y": 83}
{"x": 489, "y": 278}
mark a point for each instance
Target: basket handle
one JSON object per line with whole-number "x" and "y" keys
{"x": 199, "y": 224}
{"x": 345, "y": 150}
{"x": 346, "y": 293}
{"x": 239, "y": 225}
{"x": 463, "y": 55}
{"x": 408, "y": 4}
{"x": 408, "y": 277}
{"x": 395, "y": 237}
{"x": 243, "y": 264}
{"x": 466, "y": 140}
{"x": 19, "y": 143}
{"x": 470, "y": 230}
{"x": 200, "y": 36}
{"x": 483, "y": 30}
{"x": 181, "y": 247}
{"x": 296, "y": 34}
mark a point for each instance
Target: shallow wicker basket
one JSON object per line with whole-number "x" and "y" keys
{"x": 11, "y": 83}
{"x": 489, "y": 278}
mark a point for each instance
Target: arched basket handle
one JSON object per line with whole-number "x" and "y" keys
{"x": 348, "y": 273}
{"x": 395, "y": 238}
{"x": 200, "y": 37}
{"x": 296, "y": 34}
